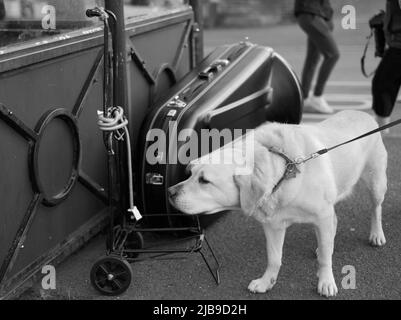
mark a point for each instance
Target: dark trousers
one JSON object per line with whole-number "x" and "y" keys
{"x": 387, "y": 82}
{"x": 2, "y": 10}
{"x": 320, "y": 43}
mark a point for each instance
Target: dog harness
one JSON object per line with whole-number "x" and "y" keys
{"x": 291, "y": 171}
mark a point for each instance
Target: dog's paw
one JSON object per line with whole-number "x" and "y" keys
{"x": 261, "y": 285}
{"x": 377, "y": 239}
{"x": 327, "y": 287}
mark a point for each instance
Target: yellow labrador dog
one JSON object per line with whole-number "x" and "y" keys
{"x": 309, "y": 197}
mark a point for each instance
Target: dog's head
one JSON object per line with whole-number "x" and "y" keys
{"x": 209, "y": 189}
{"x": 217, "y": 187}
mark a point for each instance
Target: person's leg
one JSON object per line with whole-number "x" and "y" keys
{"x": 312, "y": 54}
{"x": 2, "y": 10}
{"x": 322, "y": 35}
{"x": 382, "y": 93}
{"x": 385, "y": 86}
{"x": 309, "y": 69}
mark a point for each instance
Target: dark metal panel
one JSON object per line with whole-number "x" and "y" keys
{"x": 198, "y": 31}
{"x": 51, "y": 84}
{"x": 89, "y": 81}
{"x": 149, "y": 24}
{"x": 19, "y": 238}
{"x": 51, "y": 118}
{"x": 9, "y": 117}
{"x": 26, "y": 277}
{"x": 184, "y": 43}
{"x": 141, "y": 65}
{"x": 59, "y": 85}
{"x": 53, "y": 225}
{"x": 170, "y": 39}
{"x": 93, "y": 187}
{"x": 29, "y": 53}
{"x": 15, "y": 187}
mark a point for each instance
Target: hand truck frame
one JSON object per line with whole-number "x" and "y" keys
{"x": 112, "y": 274}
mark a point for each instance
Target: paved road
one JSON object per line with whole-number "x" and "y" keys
{"x": 239, "y": 241}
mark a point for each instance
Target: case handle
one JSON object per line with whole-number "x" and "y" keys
{"x": 220, "y": 112}
{"x": 214, "y": 68}
{"x": 95, "y": 12}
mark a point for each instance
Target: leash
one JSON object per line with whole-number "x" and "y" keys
{"x": 375, "y": 23}
{"x": 365, "y": 51}
{"x": 326, "y": 150}
{"x": 291, "y": 166}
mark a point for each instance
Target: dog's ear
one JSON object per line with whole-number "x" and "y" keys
{"x": 255, "y": 189}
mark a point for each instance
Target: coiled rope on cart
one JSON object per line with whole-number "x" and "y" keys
{"x": 115, "y": 121}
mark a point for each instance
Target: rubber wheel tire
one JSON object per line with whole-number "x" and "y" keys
{"x": 134, "y": 241}
{"x": 111, "y": 276}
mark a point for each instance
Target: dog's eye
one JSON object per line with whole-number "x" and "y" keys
{"x": 202, "y": 180}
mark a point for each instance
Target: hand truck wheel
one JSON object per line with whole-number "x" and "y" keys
{"x": 111, "y": 275}
{"x": 134, "y": 242}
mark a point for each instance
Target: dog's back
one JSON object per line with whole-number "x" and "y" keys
{"x": 367, "y": 154}
{"x": 347, "y": 125}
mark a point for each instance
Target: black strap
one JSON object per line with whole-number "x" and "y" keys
{"x": 391, "y": 124}
{"x": 364, "y": 57}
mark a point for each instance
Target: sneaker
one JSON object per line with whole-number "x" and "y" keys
{"x": 318, "y": 104}
{"x": 382, "y": 121}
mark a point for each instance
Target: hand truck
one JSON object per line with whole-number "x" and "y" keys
{"x": 113, "y": 274}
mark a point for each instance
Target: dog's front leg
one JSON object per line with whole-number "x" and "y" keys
{"x": 325, "y": 231}
{"x": 274, "y": 245}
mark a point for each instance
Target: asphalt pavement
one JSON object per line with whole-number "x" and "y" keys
{"x": 239, "y": 241}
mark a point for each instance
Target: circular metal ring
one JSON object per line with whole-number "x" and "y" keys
{"x": 47, "y": 118}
